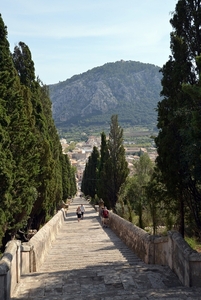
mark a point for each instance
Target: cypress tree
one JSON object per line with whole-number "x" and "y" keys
{"x": 115, "y": 170}
{"x": 178, "y": 142}
{"x": 89, "y": 182}
{"x": 73, "y": 184}
{"x": 65, "y": 176}
{"x": 104, "y": 155}
{"x": 30, "y": 150}
{"x": 16, "y": 144}
{"x": 84, "y": 183}
{"x": 7, "y": 75}
{"x": 49, "y": 179}
{"x": 68, "y": 178}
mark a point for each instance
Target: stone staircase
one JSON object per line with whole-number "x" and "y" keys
{"x": 89, "y": 262}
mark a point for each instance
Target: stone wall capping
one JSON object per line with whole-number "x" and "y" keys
{"x": 9, "y": 269}
{"x": 9, "y": 253}
{"x": 26, "y": 247}
{"x": 195, "y": 256}
{"x": 160, "y": 239}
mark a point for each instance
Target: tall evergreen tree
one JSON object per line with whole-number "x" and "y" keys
{"x": 73, "y": 184}
{"x": 178, "y": 141}
{"x": 17, "y": 144}
{"x": 89, "y": 183}
{"x": 30, "y": 150}
{"x": 7, "y": 76}
{"x": 49, "y": 179}
{"x": 24, "y": 64}
{"x": 65, "y": 176}
{"x": 104, "y": 155}
{"x": 84, "y": 183}
{"x": 115, "y": 169}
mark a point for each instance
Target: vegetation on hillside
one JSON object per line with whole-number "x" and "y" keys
{"x": 128, "y": 89}
{"x": 33, "y": 170}
{"x": 138, "y": 135}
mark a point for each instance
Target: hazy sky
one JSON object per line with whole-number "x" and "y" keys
{"x": 69, "y": 37}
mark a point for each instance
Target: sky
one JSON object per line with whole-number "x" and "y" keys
{"x": 70, "y": 37}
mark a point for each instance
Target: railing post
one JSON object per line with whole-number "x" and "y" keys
{"x": 9, "y": 269}
{"x": 27, "y": 261}
{"x": 4, "y": 282}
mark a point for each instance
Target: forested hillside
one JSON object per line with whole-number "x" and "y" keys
{"x": 128, "y": 89}
{"x": 33, "y": 170}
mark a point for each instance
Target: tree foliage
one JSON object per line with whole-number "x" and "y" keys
{"x": 111, "y": 169}
{"x": 90, "y": 176}
{"x": 133, "y": 192}
{"x": 102, "y": 174}
{"x": 31, "y": 170}
{"x": 129, "y": 89}
{"x": 116, "y": 165}
{"x": 178, "y": 142}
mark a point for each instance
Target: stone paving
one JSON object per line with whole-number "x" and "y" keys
{"x": 88, "y": 262}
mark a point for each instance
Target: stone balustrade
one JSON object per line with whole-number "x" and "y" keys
{"x": 10, "y": 269}
{"x": 171, "y": 250}
{"x": 26, "y": 258}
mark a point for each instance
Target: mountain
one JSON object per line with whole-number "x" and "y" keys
{"x": 127, "y": 88}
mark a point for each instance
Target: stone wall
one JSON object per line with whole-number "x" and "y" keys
{"x": 134, "y": 237}
{"x": 41, "y": 242}
{"x": 9, "y": 269}
{"x": 171, "y": 250}
{"x": 25, "y": 258}
{"x": 185, "y": 261}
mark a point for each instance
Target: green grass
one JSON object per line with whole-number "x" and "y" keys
{"x": 193, "y": 243}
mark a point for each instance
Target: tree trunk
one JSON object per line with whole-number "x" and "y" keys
{"x": 181, "y": 226}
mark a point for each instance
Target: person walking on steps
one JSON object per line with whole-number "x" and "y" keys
{"x": 104, "y": 217}
{"x": 82, "y": 211}
{"x": 78, "y": 213}
{"x": 101, "y": 206}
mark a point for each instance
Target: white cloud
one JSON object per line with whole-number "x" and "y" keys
{"x": 70, "y": 37}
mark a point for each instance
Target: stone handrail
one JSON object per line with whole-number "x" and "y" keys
{"x": 9, "y": 269}
{"x": 41, "y": 242}
{"x": 171, "y": 250}
{"x": 26, "y": 258}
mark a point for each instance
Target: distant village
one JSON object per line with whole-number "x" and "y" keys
{"x": 79, "y": 155}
